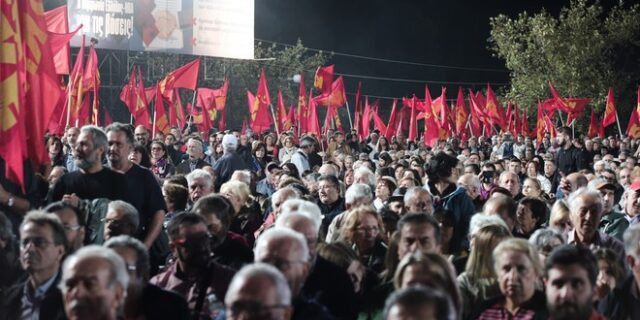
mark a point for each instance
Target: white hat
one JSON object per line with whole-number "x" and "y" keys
{"x": 229, "y": 140}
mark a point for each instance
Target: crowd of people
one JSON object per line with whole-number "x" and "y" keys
{"x": 237, "y": 225}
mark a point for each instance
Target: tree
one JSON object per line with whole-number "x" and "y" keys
{"x": 280, "y": 63}
{"x": 583, "y": 51}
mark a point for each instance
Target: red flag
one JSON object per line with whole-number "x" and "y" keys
{"x": 494, "y": 109}
{"x": 222, "y": 124}
{"x": 29, "y": 86}
{"x": 58, "y": 28}
{"x": 461, "y": 113}
{"x": 413, "y": 122}
{"x": 441, "y": 110}
{"x": 302, "y": 110}
{"x": 633, "y": 129}
{"x": 393, "y": 124}
{"x": 74, "y": 100}
{"x": 609, "y": 116}
{"x": 516, "y": 121}
{"x": 366, "y": 118}
{"x": 572, "y": 106}
{"x": 336, "y": 97}
{"x": 357, "y": 114}
{"x": 183, "y": 77}
{"x": 313, "y": 124}
{"x": 508, "y": 115}
{"x": 259, "y": 110}
{"x": 160, "y": 116}
{"x": 141, "y": 111}
{"x": 525, "y": 124}
{"x": 282, "y": 112}
{"x": 432, "y": 129}
{"x": 476, "y": 117}
{"x": 127, "y": 94}
{"x": 595, "y": 129}
{"x": 540, "y": 124}
{"x": 324, "y": 79}
{"x": 638, "y": 103}
{"x": 378, "y": 122}
{"x": 290, "y": 119}
{"x": 91, "y": 81}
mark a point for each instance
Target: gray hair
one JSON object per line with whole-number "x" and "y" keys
{"x": 420, "y": 295}
{"x": 411, "y": 192}
{"x": 124, "y": 128}
{"x": 263, "y": 270}
{"x": 470, "y": 179}
{"x": 541, "y": 238}
{"x": 97, "y": 135}
{"x": 287, "y": 234}
{"x": 479, "y": 221}
{"x": 602, "y": 163}
{"x": 119, "y": 275}
{"x": 41, "y": 218}
{"x": 282, "y": 220}
{"x": 242, "y": 175}
{"x": 199, "y": 143}
{"x": 572, "y": 202}
{"x": 631, "y": 239}
{"x": 308, "y": 208}
{"x": 199, "y": 174}
{"x": 286, "y": 193}
{"x": 357, "y": 192}
{"x": 371, "y": 178}
{"x": 142, "y": 254}
{"x": 130, "y": 212}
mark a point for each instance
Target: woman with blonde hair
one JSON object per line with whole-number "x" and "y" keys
{"x": 245, "y": 221}
{"x": 478, "y": 282}
{"x": 559, "y": 218}
{"x": 287, "y": 150}
{"x": 517, "y": 267}
{"x": 363, "y": 230}
{"x": 430, "y": 270}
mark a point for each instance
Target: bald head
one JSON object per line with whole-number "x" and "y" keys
{"x": 280, "y": 196}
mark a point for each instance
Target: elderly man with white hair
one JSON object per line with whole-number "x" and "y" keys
{"x": 471, "y": 184}
{"x": 94, "y": 283}
{"x": 277, "y": 200}
{"x": 365, "y": 176}
{"x": 200, "y": 184}
{"x": 287, "y": 250}
{"x": 195, "y": 160}
{"x": 357, "y": 195}
{"x": 327, "y": 282}
{"x": 586, "y": 206}
{"x": 229, "y": 162}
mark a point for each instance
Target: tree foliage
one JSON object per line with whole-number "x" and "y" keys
{"x": 280, "y": 63}
{"x": 583, "y": 51}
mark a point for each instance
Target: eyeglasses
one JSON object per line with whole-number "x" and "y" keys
{"x": 113, "y": 223}
{"x": 39, "y": 243}
{"x": 368, "y": 229}
{"x": 194, "y": 241}
{"x": 282, "y": 264}
{"x": 71, "y": 227}
{"x": 252, "y": 308}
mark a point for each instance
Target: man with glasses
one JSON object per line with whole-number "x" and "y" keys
{"x": 287, "y": 250}
{"x": 43, "y": 244}
{"x": 121, "y": 219}
{"x": 301, "y": 157}
{"x": 258, "y": 291}
{"x": 194, "y": 275}
{"x": 330, "y": 202}
{"x": 72, "y": 222}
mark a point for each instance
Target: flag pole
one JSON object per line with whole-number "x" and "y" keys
{"x": 275, "y": 121}
{"x": 349, "y": 115}
{"x": 69, "y": 88}
{"x": 618, "y": 122}
{"x": 153, "y": 126}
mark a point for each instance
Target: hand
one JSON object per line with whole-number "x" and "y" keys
{"x": 71, "y": 199}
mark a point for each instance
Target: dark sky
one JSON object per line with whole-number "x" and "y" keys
{"x": 443, "y": 32}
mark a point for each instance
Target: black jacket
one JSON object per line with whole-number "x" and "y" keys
{"x": 622, "y": 303}
{"x": 570, "y": 160}
{"x": 184, "y": 168}
{"x": 51, "y": 307}
{"x": 331, "y": 286}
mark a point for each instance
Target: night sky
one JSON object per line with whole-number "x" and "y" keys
{"x": 449, "y": 33}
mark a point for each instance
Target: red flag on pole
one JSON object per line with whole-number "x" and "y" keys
{"x": 260, "y": 119}
{"x": 183, "y": 77}
{"x": 413, "y": 122}
{"x": 141, "y": 111}
{"x": 633, "y": 128}
{"x": 160, "y": 116}
{"x": 91, "y": 81}
{"x": 58, "y": 28}
{"x": 366, "y": 118}
{"x": 476, "y": 116}
{"x": 357, "y": 114}
{"x": 324, "y": 79}
{"x": 302, "y": 109}
{"x": 494, "y": 109}
{"x": 281, "y": 112}
{"x": 334, "y": 98}
{"x": 609, "y": 116}
{"x": 595, "y": 129}
{"x": 525, "y": 124}
{"x": 461, "y": 113}
{"x": 393, "y": 124}
{"x": 378, "y": 122}
{"x": 290, "y": 118}
{"x": 313, "y": 124}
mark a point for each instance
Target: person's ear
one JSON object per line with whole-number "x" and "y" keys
{"x": 118, "y": 297}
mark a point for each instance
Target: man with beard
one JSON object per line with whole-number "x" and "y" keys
{"x": 570, "y": 281}
{"x": 92, "y": 180}
{"x": 94, "y": 284}
{"x": 202, "y": 282}
{"x": 71, "y": 135}
{"x": 330, "y": 202}
{"x": 142, "y": 136}
{"x": 42, "y": 246}
{"x": 568, "y": 158}
{"x": 624, "y": 301}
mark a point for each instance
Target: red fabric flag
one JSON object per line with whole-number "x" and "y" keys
{"x": 313, "y": 124}
{"x": 141, "y": 111}
{"x": 357, "y": 114}
{"x": 595, "y": 129}
{"x": 127, "y": 94}
{"x": 183, "y": 77}
{"x": 474, "y": 110}
{"x": 290, "y": 118}
{"x": 508, "y": 115}
{"x": 281, "y": 112}
{"x": 494, "y": 109}
{"x": 259, "y": 111}
{"x": 207, "y": 102}
{"x": 441, "y": 110}
{"x": 74, "y": 99}
{"x": 324, "y": 79}
{"x": 609, "y": 117}
{"x": 222, "y": 124}
{"x": 461, "y": 113}
{"x": 433, "y": 131}
{"x": 91, "y": 81}
{"x": 413, "y": 122}
{"x": 540, "y": 125}
{"x": 633, "y": 128}
{"x": 302, "y": 108}
{"x": 516, "y": 121}
{"x": 336, "y": 97}
{"x": 366, "y": 118}
{"x": 393, "y": 124}
{"x": 378, "y": 122}
{"x": 29, "y": 86}
{"x": 58, "y": 28}
{"x": 574, "y": 107}
{"x": 160, "y": 116}
{"x": 525, "y": 124}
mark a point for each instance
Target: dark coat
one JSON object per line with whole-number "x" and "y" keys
{"x": 331, "y": 286}
{"x": 51, "y": 307}
{"x": 622, "y": 303}
{"x": 184, "y": 168}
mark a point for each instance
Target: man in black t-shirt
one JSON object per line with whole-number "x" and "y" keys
{"x": 568, "y": 159}
{"x": 92, "y": 180}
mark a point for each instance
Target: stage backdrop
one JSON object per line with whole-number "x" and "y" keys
{"x": 220, "y": 28}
